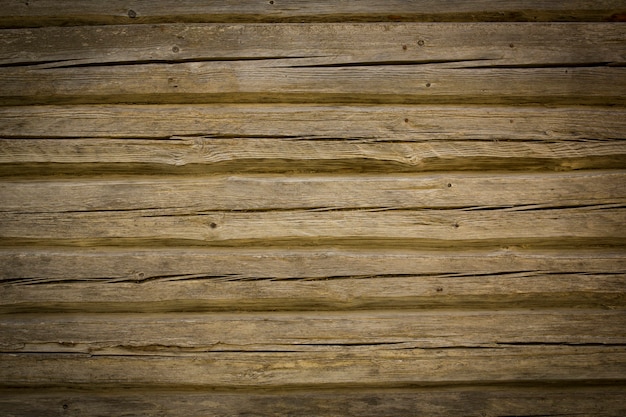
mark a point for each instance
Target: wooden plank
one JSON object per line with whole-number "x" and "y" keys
{"x": 201, "y": 156}
{"x": 298, "y": 122}
{"x": 280, "y": 81}
{"x": 603, "y": 401}
{"x": 302, "y": 71}
{"x": 416, "y": 228}
{"x": 192, "y": 279}
{"x": 390, "y": 368}
{"x": 60, "y": 12}
{"x": 329, "y": 192}
{"x": 402, "y": 138}
{"x": 185, "y": 333}
{"x": 474, "y": 45}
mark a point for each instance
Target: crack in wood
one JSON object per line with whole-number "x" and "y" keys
{"x": 63, "y": 63}
{"x": 239, "y": 277}
{"x": 388, "y": 63}
{"x": 547, "y": 65}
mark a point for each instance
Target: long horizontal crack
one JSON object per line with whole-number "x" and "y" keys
{"x": 219, "y": 348}
{"x": 61, "y": 64}
{"x": 573, "y": 344}
{"x": 547, "y": 65}
{"x": 142, "y": 278}
{"x": 321, "y": 209}
{"x": 388, "y": 63}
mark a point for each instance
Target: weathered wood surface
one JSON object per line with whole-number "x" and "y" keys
{"x": 547, "y": 400}
{"x": 320, "y": 369}
{"x": 418, "y": 228}
{"x": 273, "y": 81}
{"x": 63, "y": 12}
{"x": 165, "y": 195}
{"x": 432, "y": 124}
{"x": 459, "y": 45}
{"x": 201, "y": 156}
{"x": 367, "y": 331}
{"x": 203, "y": 139}
{"x": 187, "y": 279}
{"x": 505, "y": 63}
{"x": 204, "y": 212}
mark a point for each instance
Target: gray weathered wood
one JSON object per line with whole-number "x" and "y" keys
{"x": 63, "y": 12}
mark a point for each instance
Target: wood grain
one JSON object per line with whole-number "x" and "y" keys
{"x": 296, "y": 208}
{"x": 370, "y": 331}
{"x": 418, "y": 228}
{"x": 244, "y": 63}
{"x": 364, "y": 124}
{"x": 203, "y": 139}
{"x": 202, "y": 156}
{"x": 274, "y": 81}
{"x": 392, "y": 368}
{"x": 183, "y": 195}
{"x": 464, "y": 45}
{"x": 187, "y": 279}
{"x": 62, "y": 12}
{"x": 547, "y": 400}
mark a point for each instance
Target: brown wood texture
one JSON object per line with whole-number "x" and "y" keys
{"x": 598, "y": 401}
{"x": 63, "y": 12}
{"x": 364, "y": 208}
{"x": 199, "y": 279}
{"x": 409, "y": 63}
{"x": 363, "y": 331}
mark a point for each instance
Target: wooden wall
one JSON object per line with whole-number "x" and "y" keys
{"x": 372, "y": 208}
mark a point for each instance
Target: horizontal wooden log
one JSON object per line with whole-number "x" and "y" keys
{"x": 264, "y": 192}
{"x": 280, "y": 81}
{"x": 549, "y": 401}
{"x": 379, "y": 139}
{"x": 201, "y": 156}
{"x": 245, "y": 63}
{"x": 466, "y": 45}
{"x": 184, "y": 333}
{"x": 161, "y": 280}
{"x": 390, "y": 368}
{"x": 296, "y": 122}
{"x": 61, "y": 12}
{"x": 375, "y": 227}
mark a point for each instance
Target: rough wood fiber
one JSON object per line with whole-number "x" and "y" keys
{"x": 433, "y": 124}
{"x": 63, "y": 12}
{"x": 343, "y": 368}
{"x": 410, "y": 64}
{"x": 418, "y": 228}
{"x": 274, "y": 81}
{"x": 368, "y": 331}
{"x": 206, "y": 210}
{"x": 201, "y": 156}
{"x": 201, "y": 194}
{"x": 153, "y": 280}
{"x": 547, "y": 400}
{"x": 464, "y": 45}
